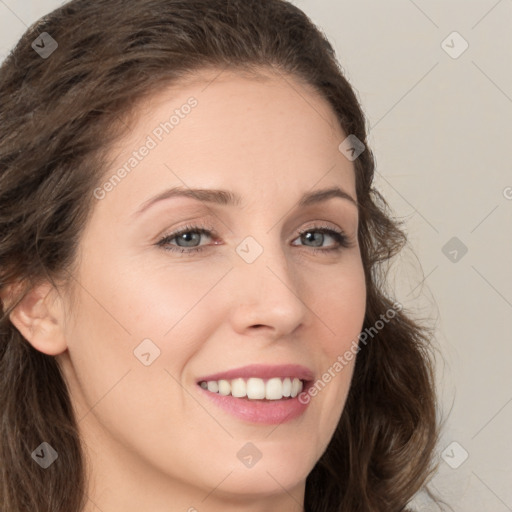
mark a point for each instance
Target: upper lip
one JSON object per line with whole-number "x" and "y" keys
{"x": 263, "y": 371}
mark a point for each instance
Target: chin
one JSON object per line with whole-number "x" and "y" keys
{"x": 249, "y": 483}
{"x": 268, "y": 476}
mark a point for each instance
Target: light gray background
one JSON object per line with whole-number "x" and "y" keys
{"x": 440, "y": 128}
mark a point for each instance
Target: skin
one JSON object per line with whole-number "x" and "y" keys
{"x": 153, "y": 441}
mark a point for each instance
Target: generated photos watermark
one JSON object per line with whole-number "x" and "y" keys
{"x": 344, "y": 359}
{"x": 157, "y": 135}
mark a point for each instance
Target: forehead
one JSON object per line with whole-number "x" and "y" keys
{"x": 243, "y": 132}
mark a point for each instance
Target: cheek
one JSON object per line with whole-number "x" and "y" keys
{"x": 110, "y": 383}
{"x": 151, "y": 297}
{"x": 341, "y": 306}
{"x": 159, "y": 300}
{"x": 100, "y": 342}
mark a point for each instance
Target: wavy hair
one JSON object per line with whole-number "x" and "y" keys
{"x": 59, "y": 116}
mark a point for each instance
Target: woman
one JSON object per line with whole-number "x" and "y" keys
{"x": 194, "y": 313}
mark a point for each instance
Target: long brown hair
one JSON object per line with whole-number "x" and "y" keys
{"x": 60, "y": 113}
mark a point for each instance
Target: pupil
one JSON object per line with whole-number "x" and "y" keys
{"x": 315, "y": 235}
{"x": 186, "y": 236}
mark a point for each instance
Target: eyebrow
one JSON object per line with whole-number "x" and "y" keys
{"x": 227, "y": 198}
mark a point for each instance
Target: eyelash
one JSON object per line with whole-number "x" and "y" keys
{"x": 343, "y": 240}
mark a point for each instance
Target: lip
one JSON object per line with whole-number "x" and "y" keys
{"x": 263, "y": 371}
{"x": 267, "y": 412}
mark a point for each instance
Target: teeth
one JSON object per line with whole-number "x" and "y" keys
{"x": 296, "y": 387}
{"x": 274, "y": 389}
{"x": 238, "y": 388}
{"x": 224, "y": 387}
{"x": 287, "y": 387}
{"x": 255, "y": 388}
{"x": 213, "y": 385}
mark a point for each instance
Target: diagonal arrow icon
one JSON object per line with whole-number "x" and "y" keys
{"x": 454, "y": 45}
{"x": 454, "y": 455}
{"x": 45, "y": 455}
{"x": 351, "y": 147}
{"x": 249, "y": 253}
{"x": 146, "y": 352}
{"x": 44, "y": 45}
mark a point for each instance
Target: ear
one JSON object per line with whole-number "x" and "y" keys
{"x": 39, "y": 317}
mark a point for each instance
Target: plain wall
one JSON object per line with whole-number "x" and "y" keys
{"x": 441, "y": 131}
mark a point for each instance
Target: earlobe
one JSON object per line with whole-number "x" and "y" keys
{"x": 40, "y": 320}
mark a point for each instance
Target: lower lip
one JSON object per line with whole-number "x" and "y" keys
{"x": 268, "y": 412}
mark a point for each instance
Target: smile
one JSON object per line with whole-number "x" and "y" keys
{"x": 255, "y": 388}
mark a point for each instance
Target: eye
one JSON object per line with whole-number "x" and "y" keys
{"x": 187, "y": 240}
{"x": 317, "y": 236}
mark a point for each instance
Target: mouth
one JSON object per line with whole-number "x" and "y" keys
{"x": 260, "y": 395}
{"x": 260, "y": 382}
{"x": 255, "y": 388}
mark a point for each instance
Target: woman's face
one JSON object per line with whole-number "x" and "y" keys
{"x": 156, "y": 313}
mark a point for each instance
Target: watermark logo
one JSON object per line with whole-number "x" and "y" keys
{"x": 249, "y": 249}
{"x": 351, "y": 147}
{"x": 146, "y": 352}
{"x": 44, "y": 45}
{"x": 454, "y": 45}
{"x": 454, "y": 249}
{"x": 454, "y": 455}
{"x": 249, "y": 455}
{"x": 45, "y": 455}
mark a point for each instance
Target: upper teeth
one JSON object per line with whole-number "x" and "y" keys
{"x": 255, "y": 388}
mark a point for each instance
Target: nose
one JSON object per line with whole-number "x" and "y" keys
{"x": 268, "y": 295}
